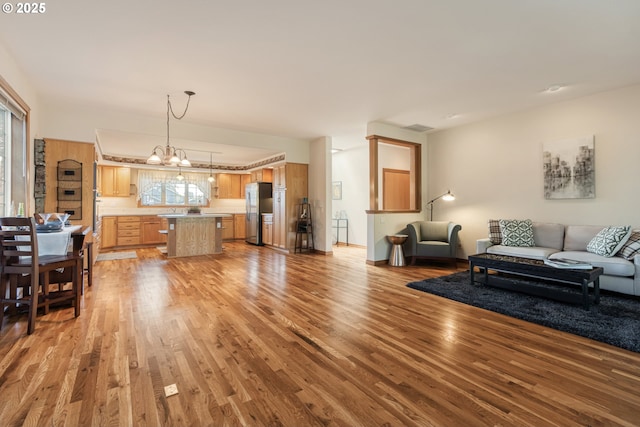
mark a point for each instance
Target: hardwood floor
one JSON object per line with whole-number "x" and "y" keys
{"x": 253, "y": 337}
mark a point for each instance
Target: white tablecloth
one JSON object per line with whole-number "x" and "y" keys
{"x": 58, "y": 243}
{"x": 54, "y": 243}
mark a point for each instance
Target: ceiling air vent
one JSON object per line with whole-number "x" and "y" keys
{"x": 418, "y": 128}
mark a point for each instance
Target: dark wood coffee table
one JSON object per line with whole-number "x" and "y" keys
{"x": 536, "y": 269}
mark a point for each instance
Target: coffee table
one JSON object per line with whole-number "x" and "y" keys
{"x": 537, "y": 270}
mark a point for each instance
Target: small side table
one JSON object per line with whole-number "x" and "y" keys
{"x": 396, "y": 259}
{"x": 337, "y": 225}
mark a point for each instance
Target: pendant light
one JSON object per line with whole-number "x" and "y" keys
{"x": 211, "y": 178}
{"x": 170, "y": 155}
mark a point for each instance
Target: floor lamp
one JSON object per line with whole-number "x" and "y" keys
{"x": 446, "y": 196}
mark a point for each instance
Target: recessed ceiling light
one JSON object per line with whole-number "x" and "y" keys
{"x": 451, "y": 116}
{"x": 554, "y": 88}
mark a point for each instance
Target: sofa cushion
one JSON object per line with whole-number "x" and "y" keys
{"x": 613, "y": 266}
{"x": 517, "y": 232}
{"x": 609, "y": 240}
{"x": 577, "y": 237}
{"x": 534, "y": 252}
{"x": 434, "y": 231}
{"x": 548, "y": 235}
{"x": 632, "y": 246}
{"x": 494, "y": 232}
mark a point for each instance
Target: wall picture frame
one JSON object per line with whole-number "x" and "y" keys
{"x": 336, "y": 190}
{"x": 569, "y": 169}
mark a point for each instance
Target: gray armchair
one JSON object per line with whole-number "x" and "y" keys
{"x": 432, "y": 239}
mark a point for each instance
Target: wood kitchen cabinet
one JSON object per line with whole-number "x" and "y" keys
{"x": 128, "y": 230}
{"x": 114, "y": 181}
{"x": 239, "y": 226}
{"x": 290, "y": 185}
{"x": 262, "y": 175}
{"x": 108, "y": 232}
{"x": 131, "y": 230}
{"x": 150, "y": 226}
{"x": 227, "y": 228}
{"x": 244, "y": 180}
{"x": 267, "y": 229}
{"x": 231, "y": 185}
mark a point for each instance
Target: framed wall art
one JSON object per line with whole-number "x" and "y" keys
{"x": 336, "y": 190}
{"x": 569, "y": 169}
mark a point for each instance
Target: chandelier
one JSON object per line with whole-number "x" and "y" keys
{"x": 169, "y": 155}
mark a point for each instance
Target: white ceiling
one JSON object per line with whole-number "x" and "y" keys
{"x": 306, "y": 69}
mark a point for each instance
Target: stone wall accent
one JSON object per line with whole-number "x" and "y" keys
{"x": 40, "y": 188}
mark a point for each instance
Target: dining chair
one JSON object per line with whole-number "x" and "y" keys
{"x": 22, "y": 267}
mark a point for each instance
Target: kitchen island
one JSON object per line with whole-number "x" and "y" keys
{"x": 193, "y": 234}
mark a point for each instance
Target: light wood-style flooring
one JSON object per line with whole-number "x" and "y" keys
{"x": 253, "y": 337}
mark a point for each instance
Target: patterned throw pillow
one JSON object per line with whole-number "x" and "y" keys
{"x": 516, "y": 232}
{"x": 631, "y": 247}
{"x": 494, "y": 232}
{"x": 609, "y": 240}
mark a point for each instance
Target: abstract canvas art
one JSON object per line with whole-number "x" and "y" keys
{"x": 569, "y": 169}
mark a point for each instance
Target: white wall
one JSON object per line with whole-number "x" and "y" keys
{"x": 351, "y": 168}
{"x": 320, "y": 199}
{"x": 494, "y": 167}
{"x": 18, "y": 81}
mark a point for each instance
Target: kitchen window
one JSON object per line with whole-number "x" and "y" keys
{"x": 159, "y": 188}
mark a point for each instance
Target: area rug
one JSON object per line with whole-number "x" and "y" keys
{"x": 615, "y": 321}
{"x": 110, "y": 256}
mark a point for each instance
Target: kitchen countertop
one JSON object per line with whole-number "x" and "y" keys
{"x": 203, "y": 215}
{"x": 174, "y": 214}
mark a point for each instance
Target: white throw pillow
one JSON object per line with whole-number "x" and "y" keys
{"x": 609, "y": 240}
{"x": 517, "y": 232}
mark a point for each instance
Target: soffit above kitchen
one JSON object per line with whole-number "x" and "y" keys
{"x": 133, "y": 149}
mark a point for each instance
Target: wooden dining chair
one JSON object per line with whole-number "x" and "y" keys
{"x": 22, "y": 267}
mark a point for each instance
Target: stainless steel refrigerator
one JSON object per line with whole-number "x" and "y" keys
{"x": 259, "y": 200}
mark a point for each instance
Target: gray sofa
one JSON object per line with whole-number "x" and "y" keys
{"x": 570, "y": 242}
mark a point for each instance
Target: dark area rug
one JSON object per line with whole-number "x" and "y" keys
{"x": 615, "y": 321}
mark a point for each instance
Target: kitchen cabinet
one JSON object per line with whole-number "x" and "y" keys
{"x": 231, "y": 185}
{"x": 114, "y": 181}
{"x": 108, "y": 232}
{"x": 290, "y": 186}
{"x": 227, "y": 228}
{"x": 150, "y": 230}
{"x": 239, "y": 226}
{"x": 128, "y": 230}
{"x": 262, "y": 175}
{"x": 244, "y": 180}
{"x": 267, "y": 229}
